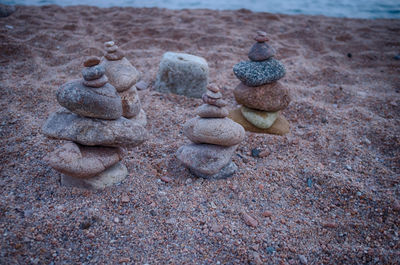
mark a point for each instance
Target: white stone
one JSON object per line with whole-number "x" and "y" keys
{"x": 182, "y": 74}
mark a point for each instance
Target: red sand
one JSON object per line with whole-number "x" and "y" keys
{"x": 327, "y": 193}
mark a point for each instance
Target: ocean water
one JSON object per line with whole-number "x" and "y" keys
{"x": 334, "y": 8}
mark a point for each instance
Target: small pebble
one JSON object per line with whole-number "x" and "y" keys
{"x": 213, "y": 88}
{"x": 116, "y": 220}
{"x": 125, "y": 199}
{"x": 166, "y": 179}
{"x": 270, "y": 250}
{"x": 250, "y": 221}
{"x": 255, "y": 152}
{"x": 309, "y": 182}
{"x": 142, "y": 85}
{"x": 303, "y": 259}
{"x": 396, "y": 205}
{"x": 264, "y": 153}
{"x": 171, "y": 221}
{"x": 91, "y": 61}
{"x": 267, "y": 214}
{"x": 109, "y": 43}
{"x": 217, "y": 228}
{"x": 330, "y": 225}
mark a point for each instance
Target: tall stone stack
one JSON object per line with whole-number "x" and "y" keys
{"x": 215, "y": 139}
{"x": 261, "y": 95}
{"x": 123, "y": 76}
{"x": 91, "y": 122}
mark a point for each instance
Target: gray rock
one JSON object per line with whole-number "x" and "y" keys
{"x": 259, "y": 73}
{"x": 261, "y": 51}
{"x": 205, "y": 159}
{"x": 226, "y": 172}
{"x": 121, "y": 73}
{"x": 140, "y": 119}
{"x": 182, "y": 74}
{"x": 94, "y": 72}
{"x": 83, "y": 161}
{"x": 102, "y": 103}
{"x": 219, "y": 131}
{"x": 211, "y": 111}
{"x": 96, "y": 83}
{"x": 130, "y": 103}
{"x": 87, "y": 131}
{"x": 113, "y": 175}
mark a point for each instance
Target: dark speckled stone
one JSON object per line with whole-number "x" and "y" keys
{"x": 259, "y": 73}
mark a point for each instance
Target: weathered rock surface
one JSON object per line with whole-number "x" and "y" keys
{"x": 260, "y": 119}
{"x": 121, "y": 73}
{"x": 205, "y": 159}
{"x": 102, "y": 103}
{"x": 140, "y": 119}
{"x": 259, "y": 73}
{"x": 87, "y": 131}
{"x": 182, "y": 74}
{"x": 111, "y": 176}
{"x": 219, "y": 131}
{"x": 83, "y": 161}
{"x": 280, "y": 126}
{"x": 130, "y": 103}
{"x": 270, "y": 97}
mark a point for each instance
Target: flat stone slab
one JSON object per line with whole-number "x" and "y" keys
{"x": 182, "y": 74}
{"x": 113, "y": 175}
{"x": 66, "y": 125}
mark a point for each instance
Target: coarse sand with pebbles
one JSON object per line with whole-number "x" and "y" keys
{"x": 328, "y": 192}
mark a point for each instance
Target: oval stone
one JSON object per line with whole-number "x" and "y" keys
{"x": 102, "y": 103}
{"x": 210, "y": 111}
{"x": 261, "y": 51}
{"x": 121, "y": 74}
{"x": 94, "y": 72}
{"x": 219, "y": 131}
{"x": 269, "y": 97}
{"x": 260, "y": 119}
{"x": 130, "y": 103}
{"x": 259, "y": 73}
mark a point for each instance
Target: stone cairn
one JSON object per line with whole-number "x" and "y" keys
{"x": 92, "y": 123}
{"x": 261, "y": 95}
{"x": 215, "y": 138}
{"x": 123, "y": 76}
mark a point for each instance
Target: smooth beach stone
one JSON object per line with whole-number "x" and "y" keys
{"x": 121, "y": 74}
{"x": 91, "y": 61}
{"x": 259, "y": 73}
{"x": 102, "y": 103}
{"x": 226, "y": 172}
{"x": 219, "y": 131}
{"x": 66, "y": 125}
{"x": 210, "y": 111}
{"x": 93, "y": 72}
{"x": 269, "y": 97}
{"x": 182, "y": 74}
{"x": 261, "y": 36}
{"x": 111, "y": 176}
{"x": 114, "y": 56}
{"x": 207, "y": 159}
{"x": 97, "y": 82}
{"x": 213, "y": 95}
{"x": 140, "y": 119}
{"x": 109, "y": 44}
{"x": 280, "y": 127}
{"x": 261, "y": 51}
{"x": 83, "y": 161}
{"x": 213, "y": 88}
{"x": 212, "y": 101}
{"x": 130, "y": 103}
{"x": 260, "y": 119}
{"x": 111, "y": 49}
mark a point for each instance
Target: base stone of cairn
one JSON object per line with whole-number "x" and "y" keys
{"x": 182, "y": 74}
{"x": 96, "y": 132}
{"x": 215, "y": 139}
{"x": 124, "y": 76}
{"x": 261, "y": 95}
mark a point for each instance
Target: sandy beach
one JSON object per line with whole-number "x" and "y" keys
{"x": 326, "y": 193}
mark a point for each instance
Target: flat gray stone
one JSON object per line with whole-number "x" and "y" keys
{"x": 205, "y": 159}
{"x": 226, "y": 172}
{"x": 111, "y": 176}
{"x": 66, "y": 125}
{"x": 102, "y": 103}
{"x": 182, "y": 74}
{"x": 121, "y": 73}
{"x": 259, "y": 73}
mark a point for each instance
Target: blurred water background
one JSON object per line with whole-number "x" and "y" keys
{"x": 334, "y": 8}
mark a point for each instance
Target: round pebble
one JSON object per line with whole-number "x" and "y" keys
{"x": 109, "y": 43}
{"x": 213, "y": 95}
{"x": 96, "y": 83}
{"x": 111, "y": 49}
{"x": 118, "y": 55}
{"x": 213, "y": 101}
{"x": 213, "y": 88}
{"x": 91, "y": 61}
{"x": 93, "y": 72}
{"x": 261, "y": 36}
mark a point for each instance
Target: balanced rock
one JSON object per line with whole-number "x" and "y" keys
{"x": 219, "y": 131}
{"x": 182, "y": 74}
{"x": 66, "y": 125}
{"x": 83, "y": 161}
{"x": 120, "y": 72}
{"x": 261, "y": 51}
{"x": 269, "y": 97}
{"x": 259, "y": 73}
{"x": 259, "y": 118}
{"x": 279, "y": 127}
{"x": 131, "y": 105}
{"x": 102, "y": 103}
{"x": 211, "y": 111}
{"x": 206, "y": 159}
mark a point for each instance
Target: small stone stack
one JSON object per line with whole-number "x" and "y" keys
{"x": 92, "y": 123}
{"x": 123, "y": 76}
{"x": 215, "y": 138}
{"x": 261, "y": 95}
